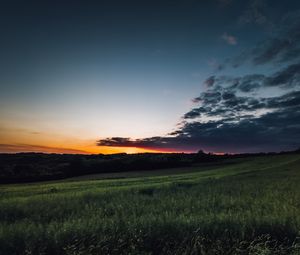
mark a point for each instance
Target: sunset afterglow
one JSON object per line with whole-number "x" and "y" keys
{"x": 162, "y": 76}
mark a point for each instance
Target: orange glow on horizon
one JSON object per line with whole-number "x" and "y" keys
{"x": 17, "y": 148}
{"x": 86, "y": 149}
{"x": 113, "y": 150}
{"x": 14, "y": 140}
{"x": 219, "y": 153}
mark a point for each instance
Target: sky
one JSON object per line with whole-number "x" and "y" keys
{"x": 159, "y": 76}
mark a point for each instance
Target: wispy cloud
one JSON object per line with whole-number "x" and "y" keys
{"x": 255, "y": 13}
{"x": 281, "y": 46}
{"x": 230, "y": 39}
{"x": 14, "y": 148}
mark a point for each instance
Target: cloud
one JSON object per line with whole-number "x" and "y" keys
{"x": 229, "y": 39}
{"x": 286, "y": 77}
{"x": 255, "y": 13}
{"x": 226, "y": 121}
{"x": 229, "y": 117}
{"x": 285, "y": 47}
{"x": 282, "y": 46}
{"x": 15, "y": 148}
{"x": 291, "y": 99}
{"x": 237, "y": 113}
{"x": 209, "y": 82}
{"x": 215, "y": 65}
{"x": 237, "y": 106}
{"x": 275, "y": 131}
{"x": 152, "y": 143}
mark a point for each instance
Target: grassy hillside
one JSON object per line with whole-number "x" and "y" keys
{"x": 251, "y": 206}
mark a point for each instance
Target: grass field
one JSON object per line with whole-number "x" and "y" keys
{"x": 250, "y": 206}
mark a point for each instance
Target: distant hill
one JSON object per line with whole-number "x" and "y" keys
{"x": 28, "y": 167}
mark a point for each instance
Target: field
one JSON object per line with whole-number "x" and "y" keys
{"x": 247, "y": 206}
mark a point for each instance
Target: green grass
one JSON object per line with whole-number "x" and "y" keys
{"x": 249, "y": 207}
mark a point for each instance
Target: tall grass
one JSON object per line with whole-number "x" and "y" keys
{"x": 251, "y": 207}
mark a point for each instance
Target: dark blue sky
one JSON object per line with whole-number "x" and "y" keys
{"x": 74, "y": 72}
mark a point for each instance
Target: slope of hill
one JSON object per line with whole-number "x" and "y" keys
{"x": 248, "y": 207}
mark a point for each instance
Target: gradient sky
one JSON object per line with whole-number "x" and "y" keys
{"x": 134, "y": 76}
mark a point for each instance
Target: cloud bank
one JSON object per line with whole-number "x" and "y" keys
{"x": 246, "y": 113}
